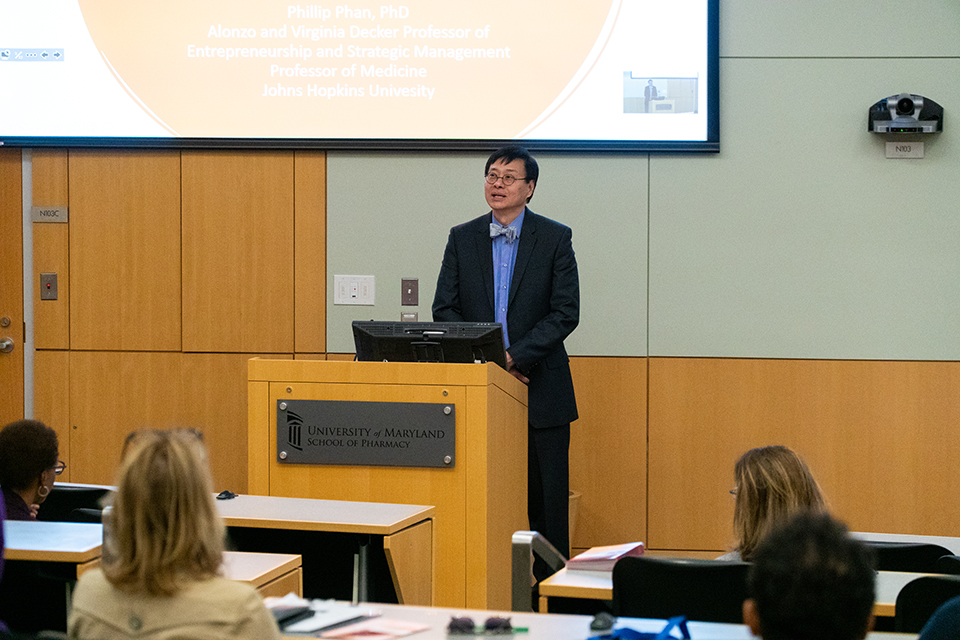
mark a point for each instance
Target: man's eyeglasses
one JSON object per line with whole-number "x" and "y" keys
{"x": 59, "y": 467}
{"x": 492, "y": 178}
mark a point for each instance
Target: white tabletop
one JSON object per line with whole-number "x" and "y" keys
{"x": 258, "y": 568}
{"x": 562, "y": 627}
{"x": 52, "y": 541}
{"x": 337, "y": 516}
{"x": 953, "y": 544}
{"x": 599, "y": 586}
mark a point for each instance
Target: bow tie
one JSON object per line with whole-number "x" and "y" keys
{"x": 509, "y": 232}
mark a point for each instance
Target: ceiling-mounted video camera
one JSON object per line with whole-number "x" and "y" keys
{"x": 905, "y": 113}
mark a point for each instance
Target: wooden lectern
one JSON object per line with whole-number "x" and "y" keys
{"x": 479, "y": 502}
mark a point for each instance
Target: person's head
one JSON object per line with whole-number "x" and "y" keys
{"x": 810, "y": 580}
{"x": 29, "y": 464}
{"x": 771, "y": 484}
{"x": 164, "y": 528}
{"x": 512, "y": 164}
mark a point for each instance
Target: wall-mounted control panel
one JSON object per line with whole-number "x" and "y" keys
{"x": 353, "y": 290}
{"x": 48, "y": 286}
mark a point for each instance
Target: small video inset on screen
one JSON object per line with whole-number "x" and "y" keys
{"x": 645, "y": 94}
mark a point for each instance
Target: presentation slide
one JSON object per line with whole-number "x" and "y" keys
{"x": 607, "y": 70}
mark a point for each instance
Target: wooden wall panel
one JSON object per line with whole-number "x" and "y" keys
{"x": 51, "y": 254}
{"x": 215, "y": 401}
{"x": 125, "y": 250}
{"x": 608, "y": 450}
{"x": 11, "y": 283}
{"x": 51, "y": 399}
{"x": 878, "y": 435}
{"x": 310, "y": 251}
{"x": 113, "y": 393}
{"x": 238, "y": 252}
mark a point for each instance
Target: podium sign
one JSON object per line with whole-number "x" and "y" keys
{"x": 386, "y": 434}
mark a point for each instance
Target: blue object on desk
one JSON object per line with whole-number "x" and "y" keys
{"x": 625, "y": 633}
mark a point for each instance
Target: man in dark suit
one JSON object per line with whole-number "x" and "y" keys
{"x": 517, "y": 268}
{"x": 649, "y": 93}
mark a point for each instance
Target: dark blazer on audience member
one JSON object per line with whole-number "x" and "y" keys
{"x": 544, "y": 304}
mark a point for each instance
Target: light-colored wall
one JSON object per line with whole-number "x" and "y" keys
{"x": 388, "y": 215}
{"x": 799, "y": 240}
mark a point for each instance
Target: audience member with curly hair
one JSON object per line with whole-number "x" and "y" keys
{"x": 29, "y": 465}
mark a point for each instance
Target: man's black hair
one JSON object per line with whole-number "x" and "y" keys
{"x": 811, "y": 581}
{"x": 513, "y": 152}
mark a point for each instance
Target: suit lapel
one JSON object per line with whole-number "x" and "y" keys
{"x": 528, "y": 240}
{"x": 485, "y": 256}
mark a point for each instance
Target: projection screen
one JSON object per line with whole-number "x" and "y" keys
{"x": 424, "y": 74}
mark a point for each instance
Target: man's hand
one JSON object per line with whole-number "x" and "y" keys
{"x": 512, "y": 368}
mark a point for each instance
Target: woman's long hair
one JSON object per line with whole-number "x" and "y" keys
{"x": 772, "y": 484}
{"x": 164, "y": 528}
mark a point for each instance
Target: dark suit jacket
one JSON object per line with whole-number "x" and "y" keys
{"x": 543, "y": 308}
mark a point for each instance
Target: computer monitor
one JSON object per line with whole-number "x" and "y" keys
{"x": 458, "y": 342}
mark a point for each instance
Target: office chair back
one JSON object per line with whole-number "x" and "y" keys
{"x": 707, "y": 590}
{"x": 72, "y": 504}
{"x": 917, "y": 601}
{"x": 948, "y": 564}
{"x": 907, "y": 556}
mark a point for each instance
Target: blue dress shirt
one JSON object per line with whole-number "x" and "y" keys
{"x": 504, "y": 258}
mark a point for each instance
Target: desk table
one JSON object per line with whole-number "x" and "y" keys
{"x": 953, "y": 544}
{"x": 80, "y": 545}
{"x": 564, "y": 627}
{"x": 72, "y": 543}
{"x": 598, "y": 586}
{"x": 406, "y": 530}
{"x": 271, "y": 574}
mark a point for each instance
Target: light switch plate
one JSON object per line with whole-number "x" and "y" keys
{"x": 409, "y": 292}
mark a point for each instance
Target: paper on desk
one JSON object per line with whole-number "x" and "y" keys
{"x": 378, "y": 629}
{"x": 326, "y": 613}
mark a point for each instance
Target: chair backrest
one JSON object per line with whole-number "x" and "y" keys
{"x": 708, "y": 590}
{"x": 948, "y": 564}
{"x": 918, "y": 557}
{"x": 81, "y": 514}
{"x": 944, "y": 623}
{"x": 65, "y": 502}
{"x": 919, "y": 598}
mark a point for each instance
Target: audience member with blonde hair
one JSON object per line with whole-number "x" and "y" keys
{"x": 772, "y": 484}
{"x": 163, "y": 554}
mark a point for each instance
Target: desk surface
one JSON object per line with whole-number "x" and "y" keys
{"x": 258, "y": 569}
{"x": 598, "y": 586}
{"x": 564, "y": 627}
{"x": 337, "y": 516}
{"x": 52, "y": 541}
{"x": 953, "y": 544}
